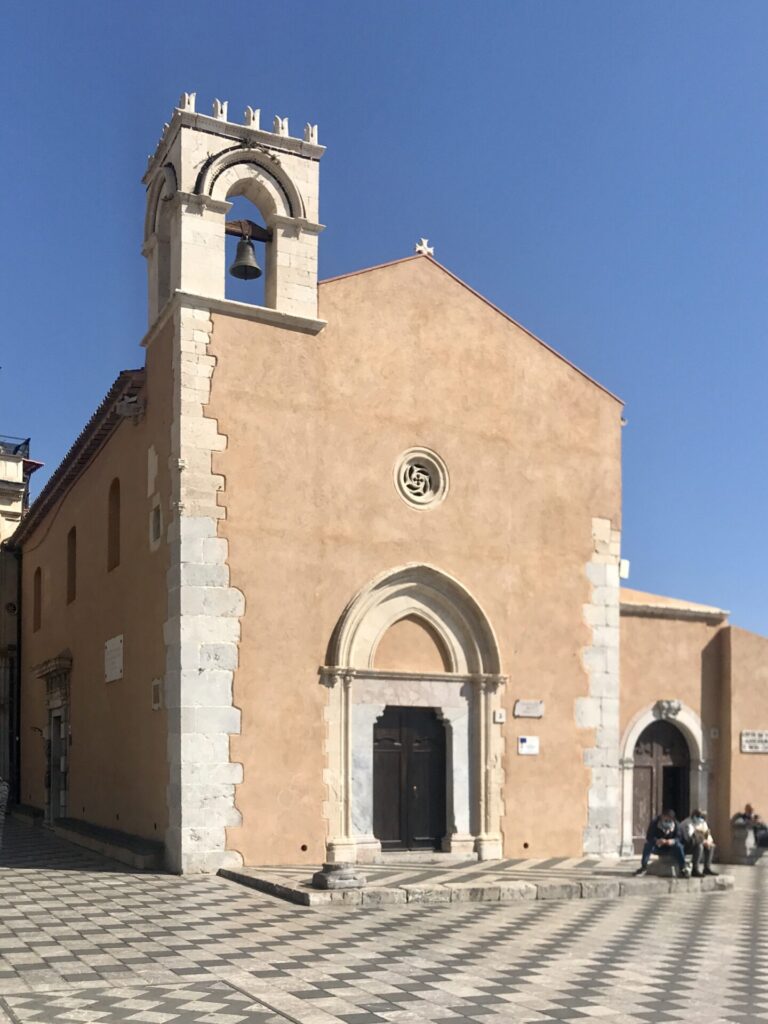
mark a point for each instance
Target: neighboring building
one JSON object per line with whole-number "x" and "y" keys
{"x": 16, "y": 468}
{"x": 340, "y": 572}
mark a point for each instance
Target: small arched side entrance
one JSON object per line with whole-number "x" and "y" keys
{"x": 662, "y": 766}
{"x": 412, "y": 758}
{"x": 661, "y": 777}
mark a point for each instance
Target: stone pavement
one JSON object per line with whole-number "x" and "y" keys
{"x": 82, "y": 939}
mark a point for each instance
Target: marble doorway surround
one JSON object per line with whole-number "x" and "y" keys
{"x": 464, "y": 698}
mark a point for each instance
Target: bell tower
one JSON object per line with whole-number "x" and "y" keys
{"x": 200, "y": 163}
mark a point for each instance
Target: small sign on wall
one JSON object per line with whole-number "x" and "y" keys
{"x": 529, "y": 709}
{"x": 113, "y": 659}
{"x": 528, "y": 745}
{"x": 754, "y": 741}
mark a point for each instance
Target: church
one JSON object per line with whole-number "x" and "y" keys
{"x": 338, "y": 573}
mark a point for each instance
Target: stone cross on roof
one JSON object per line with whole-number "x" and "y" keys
{"x": 423, "y": 248}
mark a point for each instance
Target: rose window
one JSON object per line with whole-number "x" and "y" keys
{"x": 421, "y": 478}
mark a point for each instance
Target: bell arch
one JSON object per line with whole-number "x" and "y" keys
{"x": 251, "y": 173}
{"x": 464, "y": 698}
{"x": 688, "y": 722}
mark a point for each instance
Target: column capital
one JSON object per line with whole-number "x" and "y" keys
{"x": 489, "y": 682}
{"x": 330, "y": 675}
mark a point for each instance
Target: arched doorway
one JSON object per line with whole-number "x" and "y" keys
{"x": 413, "y": 666}
{"x": 409, "y": 779}
{"x": 662, "y": 763}
{"x": 687, "y": 724}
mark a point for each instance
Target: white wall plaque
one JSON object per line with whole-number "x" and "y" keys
{"x": 113, "y": 659}
{"x": 528, "y": 709}
{"x": 754, "y": 741}
{"x": 527, "y": 744}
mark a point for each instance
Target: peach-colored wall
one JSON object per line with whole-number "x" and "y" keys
{"x": 749, "y": 710}
{"x": 117, "y": 757}
{"x": 675, "y": 659}
{"x": 686, "y": 660}
{"x": 409, "y": 646}
{"x": 315, "y": 424}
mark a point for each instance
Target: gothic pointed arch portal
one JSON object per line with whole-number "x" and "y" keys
{"x": 464, "y": 697}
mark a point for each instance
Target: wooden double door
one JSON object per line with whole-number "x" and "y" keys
{"x": 662, "y": 772}
{"x": 409, "y": 787}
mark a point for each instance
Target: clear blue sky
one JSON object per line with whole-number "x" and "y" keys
{"x": 597, "y": 169}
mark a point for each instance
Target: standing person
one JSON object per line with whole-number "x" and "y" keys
{"x": 664, "y": 838}
{"x": 702, "y": 843}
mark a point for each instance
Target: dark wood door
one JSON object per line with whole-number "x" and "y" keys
{"x": 661, "y": 777}
{"x": 409, "y": 779}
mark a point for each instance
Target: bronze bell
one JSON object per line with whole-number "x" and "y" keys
{"x": 245, "y": 266}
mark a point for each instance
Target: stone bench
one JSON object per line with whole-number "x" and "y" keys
{"x": 663, "y": 866}
{"x": 143, "y": 854}
{"x": 744, "y": 848}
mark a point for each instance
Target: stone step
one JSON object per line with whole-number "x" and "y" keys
{"x": 475, "y": 892}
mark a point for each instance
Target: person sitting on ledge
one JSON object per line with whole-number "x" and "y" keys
{"x": 665, "y": 839}
{"x": 749, "y": 818}
{"x": 700, "y": 842}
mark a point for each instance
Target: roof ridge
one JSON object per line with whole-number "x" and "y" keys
{"x": 81, "y": 452}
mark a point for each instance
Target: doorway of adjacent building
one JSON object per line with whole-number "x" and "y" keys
{"x": 409, "y": 779}
{"x": 662, "y": 771}
{"x": 56, "y": 766}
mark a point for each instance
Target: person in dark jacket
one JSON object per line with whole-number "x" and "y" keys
{"x": 664, "y": 838}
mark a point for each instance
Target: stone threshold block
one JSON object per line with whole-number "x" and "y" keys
{"x": 492, "y": 891}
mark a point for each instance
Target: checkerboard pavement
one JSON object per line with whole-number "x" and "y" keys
{"x": 83, "y": 939}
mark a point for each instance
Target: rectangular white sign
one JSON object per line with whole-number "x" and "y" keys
{"x": 528, "y": 709}
{"x": 528, "y": 744}
{"x": 754, "y": 741}
{"x": 113, "y": 659}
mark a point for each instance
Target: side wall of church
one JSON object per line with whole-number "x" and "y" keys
{"x": 676, "y": 659}
{"x": 670, "y": 659}
{"x": 117, "y": 760}
{"x": 315, "y": 424}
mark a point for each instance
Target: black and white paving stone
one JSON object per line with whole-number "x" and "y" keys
{"x": 83, "y": 939}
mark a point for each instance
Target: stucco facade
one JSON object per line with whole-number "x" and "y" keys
{"x": 409, "y": 356}
{"x": 371, "y": 500}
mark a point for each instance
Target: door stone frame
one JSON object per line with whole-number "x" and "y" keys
{"x": 56, "y": 673}
{"x": 689, "y": 724}
{"x": 464, "y": 698}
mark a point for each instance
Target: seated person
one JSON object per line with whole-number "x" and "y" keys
{"x": 748, "y": 816}
{"x": 699, "y": 842}
{"x": 664, "y": 838}
{"x": 751, "y": 819}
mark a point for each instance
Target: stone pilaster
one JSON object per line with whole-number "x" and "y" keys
{"x": 600, "y": 709}
{"x": 203, "y": 628}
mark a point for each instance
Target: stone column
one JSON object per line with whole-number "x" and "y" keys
{"x": 341, "y": 846}
{"x": 489, "y": 846}
{"x": 627, "y": 775}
